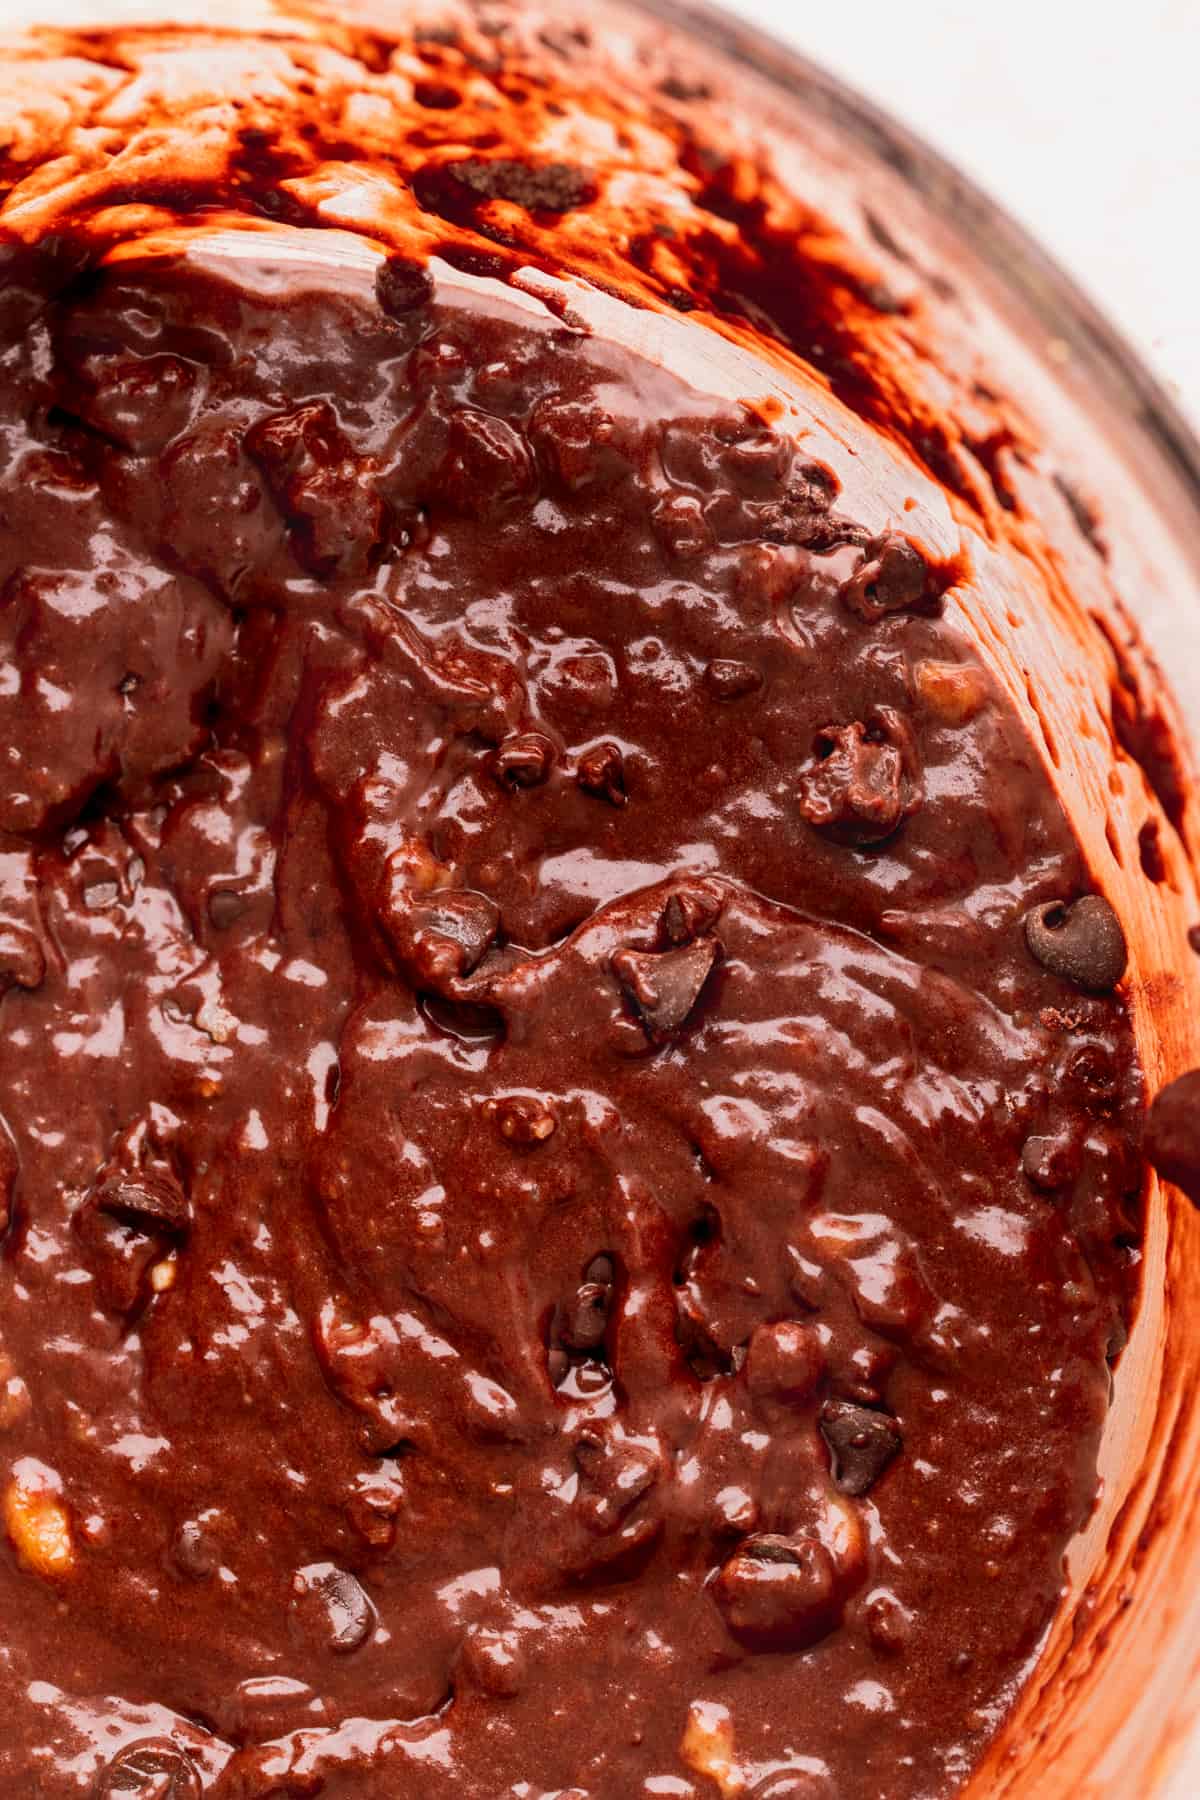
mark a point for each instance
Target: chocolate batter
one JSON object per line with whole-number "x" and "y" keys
{"x": 569, "y": 1155}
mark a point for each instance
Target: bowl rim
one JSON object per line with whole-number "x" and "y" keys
{"x": 1014, "y": 258}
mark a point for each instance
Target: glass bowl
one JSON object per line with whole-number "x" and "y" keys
{"x": 1109, "y": 1704}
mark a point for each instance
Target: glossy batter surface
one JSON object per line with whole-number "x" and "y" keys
{"x": 560, "y": 1240}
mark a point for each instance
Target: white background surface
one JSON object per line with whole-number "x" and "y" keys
{"x": 1081, "y": 116}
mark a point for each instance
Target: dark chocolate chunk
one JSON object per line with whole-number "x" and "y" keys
{"x": 457, "y": 188}
{"x": 152, "y": 1203}
{"x": 893, "y": 578}
{"x": 225, "y": 908}
{"x": 523, "y": 760}
{"x": 1150, "y": 852}
{"x": 861, "y": 785}
{"x": 1193, "y": 937}
{"x": 450, "y": 933}
{"x": 777, "y": 1593}
{"x": 664, "y": 985}
{"x": 706, "y": 1356}
{"x": 194, "y": 1552}
{"x": 438, "y": 96}
{"x": 1053, "y": 1159}
{"x": 602, "y": 771}
{"x": 1083, "y": 942}
{"x": 402, "y": 287}
{"x": 862, "y": 1443}
{"x": 727, "y": 679}
{"x": 686, "y": 916}
{"x": 585, "y": 1319}
{"x": 1172, "y": 1140}
{"x": 154, "y": 1769}
{"x": 127, "y": 1224}
{"x": 582, "y": 1323}
{"x": 889, "y": 1623}
{"x": 331, "y": 1608}
{"x": 684, "y": 87}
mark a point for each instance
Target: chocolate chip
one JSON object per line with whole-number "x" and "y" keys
{"x": 522, "y": 761}
{"x": 704, "y": 1353}
{"x": 438, "y": 96}
{"x": 582, "y": 1323}
{"x": 126, "y": 1224}
{"x": 1150, "y": 852}
{"x": 585, "y": 1320}
{"x": 894, "y": 578}
{"x": 862, "y": 1443}
{"x": 1193, "y": 938}
{"x": 861, "y": 783}
{"x": 889, "y": 1623}
{"x": 727, "y": 679}
{"x": 686, "y": 916}
{"x": 154, "y": 1769}
{"x": 225, "y": 908}
{"x": 402, "y": 287}
{"x": 1053, "y": 1159}
{"x": 663, "y": 986}
{"x": 331, "y": 1607}
{"x": 1082, "y": 942}
{"x": 777, "y": 1593}
{"x": 684, "y": 87}
{"x": 1173, "y": 1134}
{"x": 448, "y": 935}
{"x": 602, "y": 771}
{"x": 194, "y": 1551}
{"x": 152, "y": 1203}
